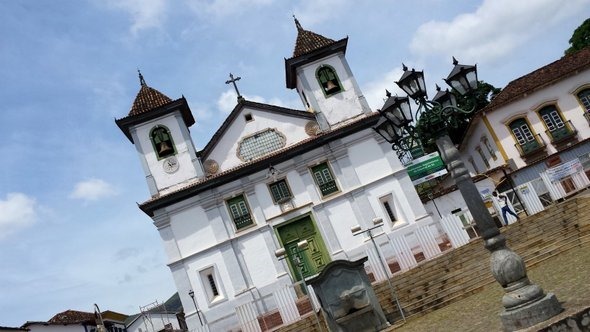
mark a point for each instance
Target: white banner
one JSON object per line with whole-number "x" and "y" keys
{"x": 564, "y": 170}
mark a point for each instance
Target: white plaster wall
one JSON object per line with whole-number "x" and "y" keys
{"x": 566, "y": 102}
{"x": 454, "y": 200}
{"x": 367, "y": 160}
{"x": 259, "y": 260}
{"x": 192, "y": 230}
{"x": 157, "y": 323}
{"x": 225, "y": 151}
{"x": 186, "y": 170}
{"x": 57, "y": 328}
{"x": 475, "y": 140}
{"x": 400, "y": 205}
{"x": 338, "y": 107}
{"x": 342, "y": 218}
{"x": 170, "y": 244}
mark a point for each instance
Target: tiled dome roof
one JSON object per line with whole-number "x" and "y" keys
{"x": 308, "y": 41}
{"x": 147, "y": 99}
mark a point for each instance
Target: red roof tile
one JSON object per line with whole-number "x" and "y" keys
{"x": 147, "y": 99}
{"x": 519, "y": 88}
{"x": 308, "y": 41}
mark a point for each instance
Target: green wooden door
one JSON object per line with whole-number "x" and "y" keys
{"x": 312, "y": 260}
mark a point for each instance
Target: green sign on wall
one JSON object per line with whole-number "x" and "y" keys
{"x": 426, "y": 168}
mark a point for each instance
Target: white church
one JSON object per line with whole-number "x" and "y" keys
{"x": 269, "y": 178}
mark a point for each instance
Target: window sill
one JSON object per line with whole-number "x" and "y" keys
{"x": 217, "y": 300}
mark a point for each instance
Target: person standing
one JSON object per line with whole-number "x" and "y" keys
{"x": 503, "y": 201}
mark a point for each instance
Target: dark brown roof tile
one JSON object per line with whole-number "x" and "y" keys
{"x": 308, "y": 41}
{"x": 542, "y": 77}
{"x": 147, "y": 99}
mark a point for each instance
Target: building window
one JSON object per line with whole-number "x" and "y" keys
{"x": 328, "y": 80}
{"x": 555, "y": 126}
{"x": 239, "y": 211}
{"x": 324, "y": 179}
{"x": 483, "y": 157}
{"x": 389, "y": 207}
{"x": 260, "y": 144}
{"x": 584, "y": 97}
{"x": 248, "y": 117}
{"x": 472, "y": 162}
{"x": 488, "y": 146}
{"x": 524, "y": 136}
{"x": 280, "y": 191}
{"x": 162, "y": 142}
{"x": 211, "y": 285}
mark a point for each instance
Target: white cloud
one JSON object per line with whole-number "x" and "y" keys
{"x": 92, "y": 190}
{"x": 145, "y": 14}
{"x": 220, "y": 8}
{"x": 227, "y": 101}
{"x": 493, "y": 30}
{"x": 17, "y": 211}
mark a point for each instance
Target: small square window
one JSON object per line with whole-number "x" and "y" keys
{"x": 248, "y": 117}
{"x": 324, "y": 179}
{"x": 239, "y": 212}
{"x": 280, "y": 191}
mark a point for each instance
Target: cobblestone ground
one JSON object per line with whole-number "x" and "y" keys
{"x": 566, "y": 275}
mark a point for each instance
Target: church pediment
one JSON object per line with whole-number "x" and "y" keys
{"x": 252, "y": 131}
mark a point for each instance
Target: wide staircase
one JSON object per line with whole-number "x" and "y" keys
{"x": 463, "y": 271}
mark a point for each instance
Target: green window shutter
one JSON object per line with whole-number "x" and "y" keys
{"x": 584, "y": 97}
{"x": 324, "y": 179}
{"x": 554, "y": 122}
{"x": 239, "y": 212}
{"x": 524, "y": 136}
{"x": 279, "y": 191}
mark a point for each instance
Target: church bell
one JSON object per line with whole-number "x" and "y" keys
{"x": 165, "y": 149}
{"x": 330, "y": 86}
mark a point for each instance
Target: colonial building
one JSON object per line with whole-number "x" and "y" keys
{"x": 534, "y": 136}
{"x": 271, "y": 177}
{"x": 538, "y": 122}
{"x": 78, "y": 321}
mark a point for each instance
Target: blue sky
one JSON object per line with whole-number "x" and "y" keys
{"x": 70, "y": 231}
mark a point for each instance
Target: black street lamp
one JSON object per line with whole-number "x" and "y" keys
{"x": 525, "y": 304}
{"x": 192, "y": 295}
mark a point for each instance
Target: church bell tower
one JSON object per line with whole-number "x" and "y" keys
{"x": 158, "y": 127}
{"x": 320, "y": 73}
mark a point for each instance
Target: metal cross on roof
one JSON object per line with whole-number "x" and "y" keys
{"x": 233, "y": 81}
{"x": 141, "y": 80}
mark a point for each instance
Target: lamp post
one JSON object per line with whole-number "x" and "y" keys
{"x": 301, "y": 247}
{"x": 525, "y": 304}
{"x": 192, "y": 295}
{"x": 357, "y": 230}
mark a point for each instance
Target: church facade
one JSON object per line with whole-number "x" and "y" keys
{"x": 269, "y": 178}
